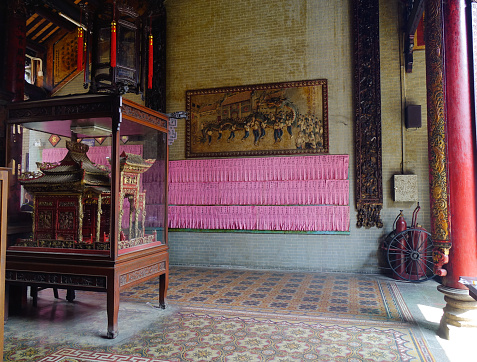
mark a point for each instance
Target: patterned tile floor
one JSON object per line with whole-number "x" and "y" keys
{"x": 314, "y": 294}
{"x": 206, "y": 336}
{"x": 226, "y": 315}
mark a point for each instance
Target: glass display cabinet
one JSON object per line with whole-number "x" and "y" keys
{"x": 87, "y": 199}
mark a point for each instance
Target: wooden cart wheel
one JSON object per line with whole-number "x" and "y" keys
{"x": 409, "y": 255}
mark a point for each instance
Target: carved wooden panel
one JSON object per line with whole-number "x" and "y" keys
{"x": 57, "y": 279}
{"x": 142, "y": 273}
{"x": 369, "y": 183}
{"x": 144, "y": 116}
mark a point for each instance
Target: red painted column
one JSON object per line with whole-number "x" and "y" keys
{"x": 460, "y": 146}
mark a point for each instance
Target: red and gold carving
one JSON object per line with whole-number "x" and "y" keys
{"x": 66, "y": 220}
{"x": 130, "y": 179}
{"x": 438, "y": 175}
{"x": 45, "y": 219}
{"x": 440, "y": 256}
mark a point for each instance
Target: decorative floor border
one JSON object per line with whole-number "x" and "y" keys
{"x": 77, "y": 355}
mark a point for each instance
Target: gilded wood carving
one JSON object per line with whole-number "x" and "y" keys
{"x": 436, "y": 123}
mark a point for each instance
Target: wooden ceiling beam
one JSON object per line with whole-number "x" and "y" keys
{"x": 66, "y": 7}
{"x": 414, "y": 17}
{"x": 55, "y": 19}
{"x": 34, "y": 46}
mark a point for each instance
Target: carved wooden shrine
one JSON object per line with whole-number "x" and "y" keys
{"x": 91, "y": 226}
{"x": 71, "y": 201}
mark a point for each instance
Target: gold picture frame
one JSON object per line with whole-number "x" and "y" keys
{"x": 258, "y": 120}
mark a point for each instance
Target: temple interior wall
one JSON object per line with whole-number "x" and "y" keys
{"x": 218, "y": 43}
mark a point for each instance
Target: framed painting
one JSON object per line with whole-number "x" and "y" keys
{"x": 258, "y": 120}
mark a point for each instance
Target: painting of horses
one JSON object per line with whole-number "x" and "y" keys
{"x": 258, "y": 120}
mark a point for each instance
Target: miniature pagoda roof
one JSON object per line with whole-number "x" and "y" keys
{"x": 75, "y": 171}
{"x": 134, "y": 163}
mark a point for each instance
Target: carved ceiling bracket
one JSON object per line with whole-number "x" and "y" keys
{"x": 369, "y": 183}
{"x": 408, "y": 52}
{"x": 413, "y": 10}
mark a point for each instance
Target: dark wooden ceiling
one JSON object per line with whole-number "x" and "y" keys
{"x": 45, "y": 22}
{"x": 50, "y": 19}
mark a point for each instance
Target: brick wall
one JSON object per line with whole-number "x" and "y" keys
{"x": 218, "y": 43}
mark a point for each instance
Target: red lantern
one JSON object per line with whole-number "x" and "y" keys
{"x": 151, "y": 59}
{"x": 80, "y": 49}
{"x": 113, "y": 44}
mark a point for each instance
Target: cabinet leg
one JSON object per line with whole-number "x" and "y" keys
{"x": 70, "y": 295}
{"x": 17, "y": 298}
{"x": 113, "y": 309}
{"x": 34, "y": 295}
{"x": 166, "y": 286}
{"x": 7, "y": 300}
{"x": 162, "y": 291}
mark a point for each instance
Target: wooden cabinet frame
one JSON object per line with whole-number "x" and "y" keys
{"x": 107, "y": 271}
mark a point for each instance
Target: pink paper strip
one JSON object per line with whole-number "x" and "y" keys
{"x": 290, "y": 193}
{"x": 295, "y": 218}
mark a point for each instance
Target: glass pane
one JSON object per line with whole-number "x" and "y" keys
{"x": 126, "y": 47}
{"x": 60, "y": 194}
{"x": 104, "y": 45}
{"x": 143, "y": 185}
{"x": 60, "y": 190}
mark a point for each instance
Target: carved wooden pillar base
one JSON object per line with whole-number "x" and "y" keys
{"x": 460, "y": 315}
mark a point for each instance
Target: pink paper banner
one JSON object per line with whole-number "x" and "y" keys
{"x": 277, "y": 218}
{"x": 322, "y": 167}
{"x": 315, "y": 192}
{"x": 308, "y": 193}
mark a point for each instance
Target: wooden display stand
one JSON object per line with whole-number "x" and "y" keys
{"x": 77, "y": 240}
